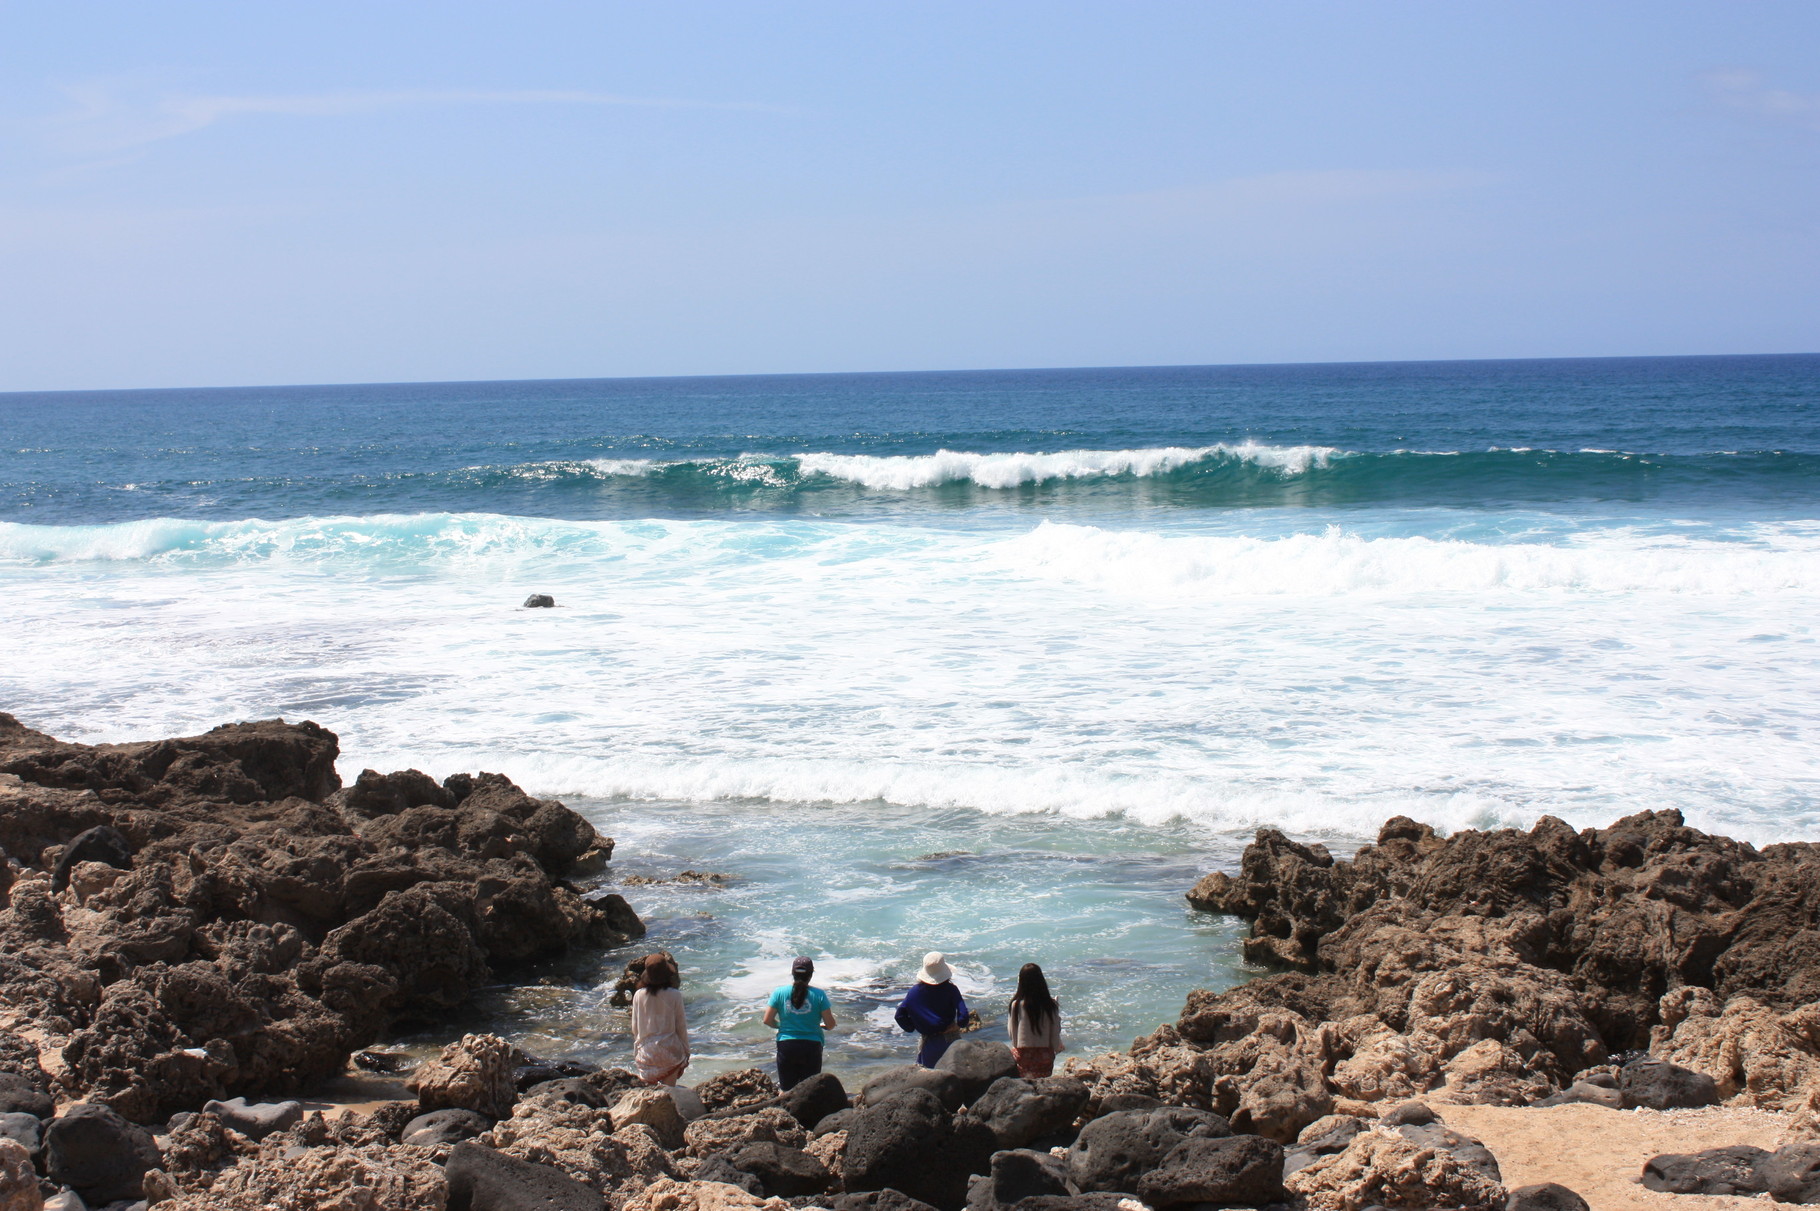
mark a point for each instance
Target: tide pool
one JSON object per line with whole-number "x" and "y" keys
{"x": 865, "y": 890}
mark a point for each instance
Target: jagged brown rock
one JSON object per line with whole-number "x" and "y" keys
{"x": 1495, "y": 967}
{"x": 264, "y": 923}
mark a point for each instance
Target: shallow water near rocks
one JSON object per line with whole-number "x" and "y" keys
{"x": 866, "y": 890}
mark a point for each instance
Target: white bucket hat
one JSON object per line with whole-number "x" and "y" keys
{"x": 935, "y": 969}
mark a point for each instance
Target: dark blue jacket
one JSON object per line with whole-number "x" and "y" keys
{"x": 931, "y": 1008}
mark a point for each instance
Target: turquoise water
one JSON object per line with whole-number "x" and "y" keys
{"x": 1089, "y": 627}
{"x": 866, "y": 891}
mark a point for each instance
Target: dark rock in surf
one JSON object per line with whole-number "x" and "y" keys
{"x": 539, "y": 601}
{"x": 377, "y": 794}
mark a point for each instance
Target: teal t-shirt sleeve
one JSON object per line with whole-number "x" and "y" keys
{"x": 777, "y": 999}
{"x": 822, "y": 1004}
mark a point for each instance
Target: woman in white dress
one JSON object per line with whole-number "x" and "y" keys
{"x": 660, "y": 1033}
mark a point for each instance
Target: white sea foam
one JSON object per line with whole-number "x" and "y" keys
{"x": 1335, "y": 563}
{"x": 904, "y": 472}
{"x": 1318, "y": 681}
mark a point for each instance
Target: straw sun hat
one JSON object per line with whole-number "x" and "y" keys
{"x": 935, "y": 969}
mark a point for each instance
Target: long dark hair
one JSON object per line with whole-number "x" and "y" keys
{"x": 1033, "y": 994}
{"x": 801, "y": 972}
{"x": 659, "y": 972}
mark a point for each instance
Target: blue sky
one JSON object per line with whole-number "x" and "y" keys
{"x": 200, "y": 193}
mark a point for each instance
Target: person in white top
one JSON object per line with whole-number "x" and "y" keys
{"x": 660, "y": 1032}
{"x": 1035, "y": 1022}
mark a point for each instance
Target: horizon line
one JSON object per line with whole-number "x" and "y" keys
{"x": 638, "y": 378}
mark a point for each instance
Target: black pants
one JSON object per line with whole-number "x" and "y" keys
{"x": 797, "y": 1061}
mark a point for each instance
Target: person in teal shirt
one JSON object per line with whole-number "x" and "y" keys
{"x": 800, "y": 1013}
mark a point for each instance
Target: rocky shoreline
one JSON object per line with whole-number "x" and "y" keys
{"x": 192, "y": 930}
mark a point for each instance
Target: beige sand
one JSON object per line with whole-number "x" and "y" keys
{"x": 361, "y": 1092}
{"x": 1599, "y": 1153}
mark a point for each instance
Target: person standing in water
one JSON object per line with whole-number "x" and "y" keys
{"x": 933, "y": 1008}
{"x": 800, "y": 1013}
{"x": 660, "y": 1032}
{"x": 1035, "y": 1023}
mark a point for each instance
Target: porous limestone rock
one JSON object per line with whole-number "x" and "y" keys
{"x": 18, "y": 1181}
{"x": 472, "y": 1074}
{"x": 1767, "y": 1057}
{"x": 674, "y": 1195}
{"x": 741, "y": 1087}
{"x": 827, "y": 1149}
{"x": 1383, "y": 1169}
{"x": 284, "y": 1178}
{"x": 547, "y": 1129}
{"x": 1495, "y": 967}
{"x": 652, "y": 1107}
{"x": 771, "y": 1123}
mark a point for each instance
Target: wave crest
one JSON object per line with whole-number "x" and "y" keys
{"x": 906, "y": 472}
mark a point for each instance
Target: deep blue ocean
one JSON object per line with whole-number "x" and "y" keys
{"x": 989, "y": 662}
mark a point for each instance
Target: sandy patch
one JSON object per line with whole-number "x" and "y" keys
{"x": 1600, "y": 1153}
{"x": 358, "y": 1091}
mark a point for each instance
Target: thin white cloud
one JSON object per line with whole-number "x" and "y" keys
{"x": 107, "y": 119}
{"x": 1745, "y": 90}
